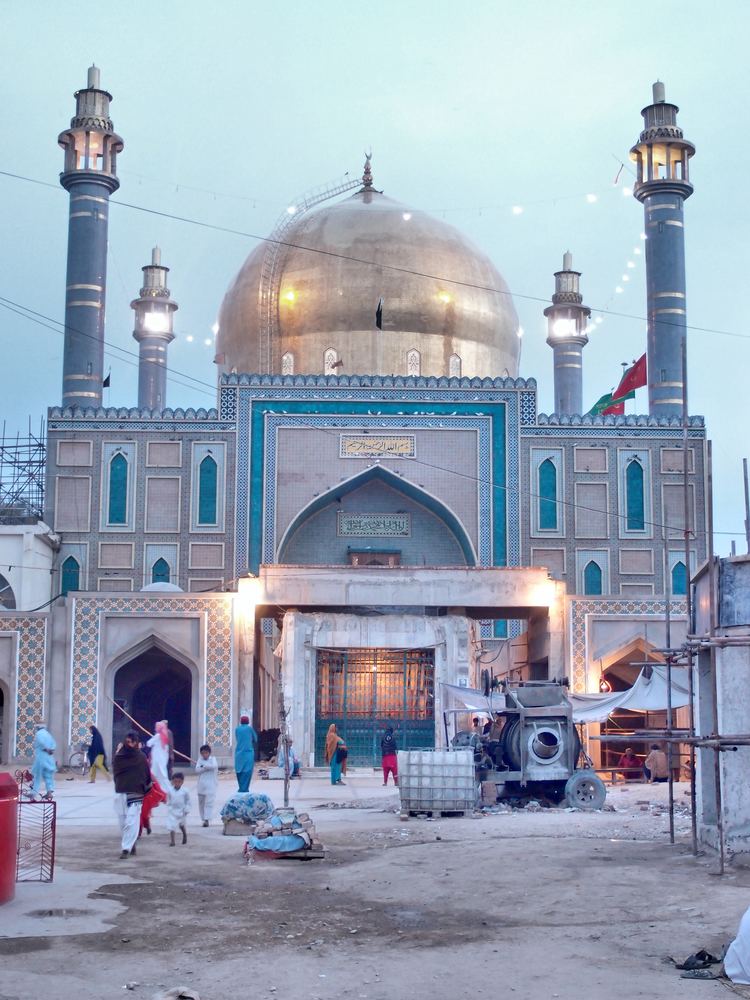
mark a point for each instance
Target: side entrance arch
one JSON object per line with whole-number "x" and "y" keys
{"x": 154, "y": 684}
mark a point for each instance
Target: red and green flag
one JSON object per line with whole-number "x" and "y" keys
{"x": 633, "y": 378}
{"x": 607, "y": 405}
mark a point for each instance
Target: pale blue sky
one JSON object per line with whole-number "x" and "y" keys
{"x": 229, "y": 110}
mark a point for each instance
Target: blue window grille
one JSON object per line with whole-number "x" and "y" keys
{"x": 160, "y": 571}
{"x": 634, "y": 497}
{"x": 592, "y": 578}
{"x": 547, "y": 496}
{"x": 679, "y": 579}
{"x": 71, "y": 575}
{"x": 118, "y": 490}
{"x": 208, "y": 479}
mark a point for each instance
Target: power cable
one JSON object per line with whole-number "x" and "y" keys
{"x": 528, "y": 494}
{"x": 413, "y": 272}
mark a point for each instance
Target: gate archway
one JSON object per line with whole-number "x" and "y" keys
{"x": 155, "y": 685}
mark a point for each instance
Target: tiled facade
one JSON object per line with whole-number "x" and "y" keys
{"x": 468, "y": 473}
{"x": 161, "y": 496}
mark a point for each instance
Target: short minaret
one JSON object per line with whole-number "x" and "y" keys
{"x": 91, "y": 147}
{"x": 566, "y": 334}
{"x": 662, "y": 156}
{"x": 153, "y": 331}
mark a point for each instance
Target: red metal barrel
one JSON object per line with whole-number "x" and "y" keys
{"x": 8, "y": 836}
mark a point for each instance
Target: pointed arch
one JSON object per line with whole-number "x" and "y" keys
{"x": 547, "y": 491}
{"x": 70, "y": 578}
{"x": 413, "y": 362}
{"x": 117, "y": 510}
{"x": 287, "y": 363}
{"x": 160, "y": 571}
{"x": 454, "y": 366}
{"x": 679, "y": 579}
{"x": 592, "y": 578}
{"x": 330, "y": 362}
{"x": 7, "y": 597}
{"x": 635, "y": 500}
{"x": 419, "y": 495}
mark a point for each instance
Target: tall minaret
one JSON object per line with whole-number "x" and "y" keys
{"x": 663, "y": 184}
{"x": 566, "y": 335}
{"x": 91, "y": 147}
{"x": 153, "y": 331}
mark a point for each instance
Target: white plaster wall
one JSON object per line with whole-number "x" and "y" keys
{"x": 29, "y": 551}
{"x": 451, "y": 636}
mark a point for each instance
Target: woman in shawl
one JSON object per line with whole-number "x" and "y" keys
{"x": 335, "y": 754}
{"x": 159, "y": 746}
{"x": 96, "y": 755}
{"x": 245, "y": 742}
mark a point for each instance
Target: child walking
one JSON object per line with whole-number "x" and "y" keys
{"x": 207, "y": 770}
{"x": 178, "y": 806}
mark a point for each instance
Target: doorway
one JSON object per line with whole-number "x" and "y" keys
{"x": 150, "y": 687}
{"x": 364, "y": 690}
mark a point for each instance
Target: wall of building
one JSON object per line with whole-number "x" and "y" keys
{"x": 429, "y": 541}
{"x": 163, "y": 456}
{"x": 27, "y": 558}
{"x": 590, "y": 462}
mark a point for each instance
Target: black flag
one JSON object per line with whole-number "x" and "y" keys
{"x": 105, "y": 383}
{"x": 379, "y": 314}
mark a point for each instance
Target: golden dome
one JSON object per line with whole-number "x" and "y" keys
{"x": 314, "y": 307}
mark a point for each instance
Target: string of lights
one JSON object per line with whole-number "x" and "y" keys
{"x": 383, "y": 265}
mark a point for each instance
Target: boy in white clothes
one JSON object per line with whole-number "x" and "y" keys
{"x": 207, "y": 770}
{"x": 178, "y": 806}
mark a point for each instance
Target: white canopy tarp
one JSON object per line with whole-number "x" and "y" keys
{"x": 472, "y": 700}
{"x": 648, "y": 694}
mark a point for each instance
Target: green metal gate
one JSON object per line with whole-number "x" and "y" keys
{"x": 364, "y": 690}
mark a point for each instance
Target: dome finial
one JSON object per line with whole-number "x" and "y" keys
{"x": 367, "y": 175}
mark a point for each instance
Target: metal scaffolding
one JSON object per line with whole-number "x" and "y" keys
{"x": 22, "y": 469}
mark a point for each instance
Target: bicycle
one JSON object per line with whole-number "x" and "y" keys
{"x": 78, "y": 760}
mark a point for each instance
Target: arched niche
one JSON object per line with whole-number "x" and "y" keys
{"x": 436, "y": 535}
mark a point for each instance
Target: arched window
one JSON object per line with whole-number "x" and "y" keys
{"x": 454, "y": 366}
{"x": 118, "y": 490}
{"x": 592, "y": 578}
{"x": 330, "y": 362}
{"x": 160, "y": 571}
{"x": 413, "y": 363}
{"x": 679, "y": 580}
{"x": 208, "y": 477}
{"x": 7, "y": 597}
{"x": 287, "y": 363}
{"x": 547, "y": 496}
{"x": 635, "y": 519}
{"x": 71, "y": 575}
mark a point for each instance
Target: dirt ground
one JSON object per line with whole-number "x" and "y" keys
{"x": 530, "y": 904}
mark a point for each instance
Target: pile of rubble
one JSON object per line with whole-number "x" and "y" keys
{"x": 285, "y": 833}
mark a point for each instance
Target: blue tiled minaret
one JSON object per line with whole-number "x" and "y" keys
{"x": 153, "y": 331}
{"x": 662, "y": 156}
{"x": 91, "y": 147}
{"x": 567, "y": 319}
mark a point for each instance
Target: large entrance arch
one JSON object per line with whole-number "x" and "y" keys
{"x": 155, "y": 685}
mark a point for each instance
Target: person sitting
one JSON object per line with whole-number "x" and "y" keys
{"x": 294, "y": 763}
{"x": 656, "y": 766}
{"x": 629, "y": 764}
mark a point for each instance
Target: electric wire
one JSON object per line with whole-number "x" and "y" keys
{"x": 413, "y": 272}
{"x": 509, "y": 489}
